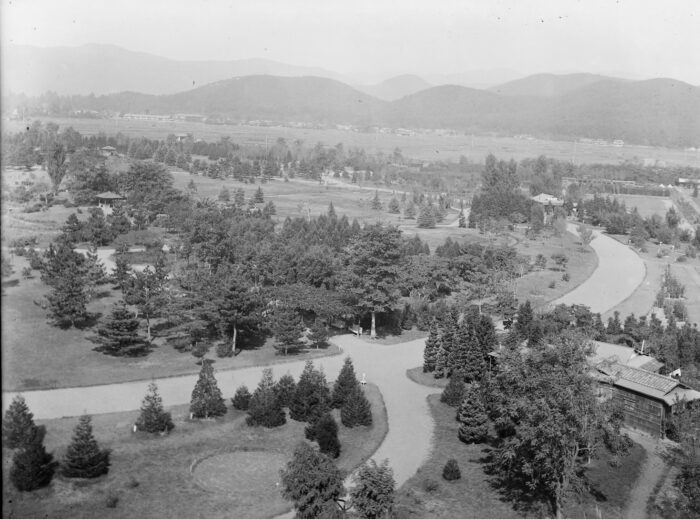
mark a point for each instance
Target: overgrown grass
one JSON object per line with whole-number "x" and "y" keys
{"x": 152, "y": 476}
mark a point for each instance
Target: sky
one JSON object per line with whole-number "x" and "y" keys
{"x": 373, "y": 40}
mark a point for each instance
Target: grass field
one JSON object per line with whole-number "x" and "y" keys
{"x": 37, "y": 355}
{"x": 425, "y": 147}
{"x": 427, "y": 495}
{"x": 536, "y": 285}
{"x": 647, "y": 205}
{"x": 153, "y": 477}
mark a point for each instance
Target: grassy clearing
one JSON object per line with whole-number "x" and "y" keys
{"x": 428, "y": 495}
{"x": 473, "y": 496}
{"x": 536, "y": 286}
{"x": 647, "y": 205}
{"x": 37, "y": 355}
{"x": 152, "y": 476}
{"x": 425, "y": 147}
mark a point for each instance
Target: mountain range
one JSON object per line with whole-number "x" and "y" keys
{"x": 650, "y": 112}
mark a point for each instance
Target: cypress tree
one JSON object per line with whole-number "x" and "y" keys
{"x": 84, "y": 459}
{"x": 32, "y": 467}
{"x": 311, "y": 396}
{"x": 426, "y": 218}
{"x": 153, "y": 417}
{"x": 118, "y": 335}
{"x": 357, "y": 410}
{"x": 432, "y": 346}
{"x": 472, "y": 417}
{"x": 264, "y": 407}
{"x": 324, "y": 431}
{"x": 285, "y": 388}
{"x": 206, "y": 397}
{"x": 241, "y": 400}
{"x": 18, "y": 424}
{"x": 345, "y": 384}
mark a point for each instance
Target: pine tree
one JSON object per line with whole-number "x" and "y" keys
{"x": 345, "y": 384}
{"x": 373, "y": 493}
{"x": 287, "y": 328}
{"x": 319, "y": 334}
{"x": 122, "y": 272}
{"x": 313, "y": 482}
{"x": 331, "y": 212}
{"x": 68, "y": 299}
{"x": 73, "y": 229}
{"x": 410, "y": 211}
{"x": 239, "y": 198}
{"x": 206, "y": 397}
{"x": 524, "y": 320}
{"x": 224, "y": 195}
{"x": 325, "y": 432}
{"x": 472, "y": 417}
{"x": 462, "y": 222}
{"x": 32, "y": 467}
{"x": 259, "y": 197}
{"x": 83, "y": 458}
{"x": 153, "y": 417}
{"x": 426, "y": 217}
{"x": 311, "y": 397}
{"x": 453, "y": 393}
{"x": 285, "y": 388}
{"x": 241, "y": 400}
{"x": 118, "y": 335}
{"x": 265, "y": 408}
{"x": 357, "y": 410}
{"x": 448, "y": 341}
{"x": 394, "y": 207}
{"x": 432, "y": 346}
{"x": 376, "y": 204}
{"x": 18, "y": 424}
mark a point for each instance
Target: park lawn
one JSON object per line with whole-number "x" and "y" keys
{"x": 647, "y": 205}
{"x": 37, "y": 355}
{"x": 610, "y": 486}
{"x": 474, "y": 496}
{"x": 535, "y": 286}
{"x": 152, "y": 476}
{"x": 427, "y": 495}
{"x": 426, "y": 379}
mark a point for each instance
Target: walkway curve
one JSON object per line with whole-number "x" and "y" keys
{"x": 406, "y": 445}
{"x": 618, "y": 274}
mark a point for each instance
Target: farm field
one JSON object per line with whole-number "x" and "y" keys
{"x": 177, "y": 475}
{"x": 424, "y": 147}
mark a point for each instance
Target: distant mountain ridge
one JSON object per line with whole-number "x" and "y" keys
{"x": 548, "y": 85}
{"x": 396, "y": 87}
{"x": 104, "y": 69}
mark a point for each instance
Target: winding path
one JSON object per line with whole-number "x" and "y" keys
{"x": 618, "y": 274}
{"x": 408, "y": 441}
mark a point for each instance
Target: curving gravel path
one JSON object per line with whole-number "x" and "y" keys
{"x": 620, "y": 271}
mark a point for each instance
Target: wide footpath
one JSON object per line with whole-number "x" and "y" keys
{"x": 408, "y": 441}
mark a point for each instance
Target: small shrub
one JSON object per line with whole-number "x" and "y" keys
{"x": 566, "y": 277}
{"x": 224, "y": 349}
{"x": 682, "y": 259}
{"x": 132, "y": 483}
{"x": 553, "y": 284}
{"x": 241, "y": 400}
{"x": 430, "y": 485}
{"x": 451, "y": 471}
{"x": 112, "y": 500}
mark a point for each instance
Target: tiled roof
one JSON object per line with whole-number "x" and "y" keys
{"x": 544, "y": 198}
{"x": 109, "y": 194}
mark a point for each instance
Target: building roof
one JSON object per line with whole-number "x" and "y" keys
{"x": 109, "y": 148}
{"x": 110, "y": 196}
{"x": 545, "y": 199}
{"x": 647, "y": 383}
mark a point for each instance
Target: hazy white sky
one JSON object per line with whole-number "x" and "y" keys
{"x": 376, "y": 39}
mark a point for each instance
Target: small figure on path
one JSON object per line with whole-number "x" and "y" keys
{"x": 364, "y": 380}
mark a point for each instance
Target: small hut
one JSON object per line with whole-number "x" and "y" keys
{"x": 106, "y": 201}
